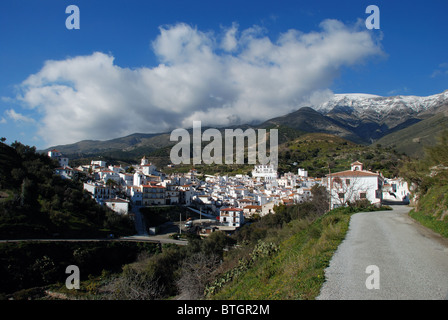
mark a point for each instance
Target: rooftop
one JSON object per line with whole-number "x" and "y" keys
{"x": 351, "y": 173}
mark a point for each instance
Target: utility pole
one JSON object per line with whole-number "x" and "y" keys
{"x": 180, "y": 222}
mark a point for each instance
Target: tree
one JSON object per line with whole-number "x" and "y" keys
{"x": 196, "y": 273}
{"x": 215, "y": 243}
{"x": 345, "y": 190}
{"x": 320, "y": 199}
{"x": 130, "y": 169}
{"x": 135, "y": 284}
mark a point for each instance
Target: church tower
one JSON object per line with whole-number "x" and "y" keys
{"x": 144, "y": 161}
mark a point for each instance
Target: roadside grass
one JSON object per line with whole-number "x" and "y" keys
{"x": 439, "y": 226}
{"x": 297, "y": 271}
{"x": 432, "y": 210}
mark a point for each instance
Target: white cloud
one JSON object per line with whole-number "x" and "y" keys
{"x": 441, "y": 70}
{"x": 229, "y": 42}
{"x": 17, "y": 117}
{"x": 233, "y": 78}
{"x": 402, "y": 90}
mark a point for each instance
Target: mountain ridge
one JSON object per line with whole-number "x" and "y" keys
{"x": 357, "y": 117}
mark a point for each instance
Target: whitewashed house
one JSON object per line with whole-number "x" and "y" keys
{"x": 65, "y": 172}
{"x": 134, "y": 193}
{"x": 172, "y": 194}
{"x": 139, "y": 179}
{"x": 396, "y": 190}
{"x": 106, "y": 175}
{"x": 120, "y": 206}
{"x": 354, "y": 184}
{"x": 98, "y": 163}
{"x": 267, "y": 208}
{"x": 232, "y": 217}
{"x": 55, "y": 154}
{"x": 127, "y": 179}
{"x": 186, "y": 193}
{"x": 302, "y": 173}
{"x": 116, "y": 169}
{"x": 250, "y": 210}
{"x": 98, "y": 191}
{"x": 265, "y": 171}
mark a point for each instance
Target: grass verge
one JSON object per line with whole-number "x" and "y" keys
{"x": 432, "y": 210}
{"x": 431, "y": 222}
{"x": 297, "y": 269}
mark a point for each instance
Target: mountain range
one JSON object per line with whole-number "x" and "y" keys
{"x": 407, "y": 123}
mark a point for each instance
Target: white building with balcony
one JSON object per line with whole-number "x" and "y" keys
{"x": 232, "y": 217}
{"x": 266, "y": 171}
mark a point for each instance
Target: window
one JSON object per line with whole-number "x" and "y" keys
{"x": 347, "y": 182}
{"x": 341, "y": 195}
{"x": 378, "y": 194}
{"x": 363, "y": 195}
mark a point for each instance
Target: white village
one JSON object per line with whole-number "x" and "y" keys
{"x": 228, "y": 200}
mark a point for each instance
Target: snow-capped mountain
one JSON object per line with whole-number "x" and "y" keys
{"x": 360, "y": 102}
{"x": 371, "y": 116}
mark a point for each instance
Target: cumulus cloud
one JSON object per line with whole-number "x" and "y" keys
{"x": 229, "y": 42}
{"x": 231, "y": 78}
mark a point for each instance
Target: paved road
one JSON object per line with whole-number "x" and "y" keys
{"x": 412, "y": 261}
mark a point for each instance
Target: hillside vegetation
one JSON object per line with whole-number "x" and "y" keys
{"x": 429, "y": 177}
{"x": 34, "y": 202}
{"x": 319, "y": 152}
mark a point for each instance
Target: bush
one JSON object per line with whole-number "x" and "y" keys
{"x": 196, "y": 272}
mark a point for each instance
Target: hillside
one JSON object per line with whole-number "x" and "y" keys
{"x": 413, "y": 139}
{"x": 127, "y": 147}
{"x": 37, "y": 203}
{"x": 318, "y": 153}
{"x": 308, "y": 120}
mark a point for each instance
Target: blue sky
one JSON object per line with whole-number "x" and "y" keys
{"x": 152, "y": 66}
